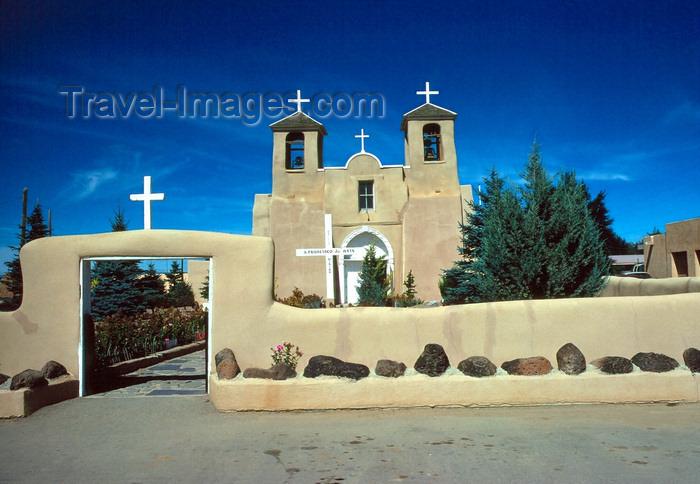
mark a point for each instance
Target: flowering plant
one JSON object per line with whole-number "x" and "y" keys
{"x": 286, "y": 353}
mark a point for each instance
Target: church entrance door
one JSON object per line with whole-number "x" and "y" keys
{"x": 351, "y": 265}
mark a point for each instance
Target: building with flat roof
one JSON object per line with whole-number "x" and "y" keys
{"x": 675, "y": 253}
{"x": 409, "y": 210}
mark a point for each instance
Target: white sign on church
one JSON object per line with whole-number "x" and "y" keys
{"x": 332, "y": 251}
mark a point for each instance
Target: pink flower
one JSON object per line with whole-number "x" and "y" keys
{"x": 279, "y": 348}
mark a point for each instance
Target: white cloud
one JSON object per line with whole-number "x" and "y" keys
{"x": 604, "y": 176}
{"x": 85, "y": 183}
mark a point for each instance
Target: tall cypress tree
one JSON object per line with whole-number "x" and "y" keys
{"x": 537, "y": 242}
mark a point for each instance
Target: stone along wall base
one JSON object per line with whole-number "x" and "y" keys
{"x": 23, "y": 402}
{"x": 420, "y": 390}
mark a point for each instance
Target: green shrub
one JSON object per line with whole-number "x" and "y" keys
{"x": 299, "y": 300}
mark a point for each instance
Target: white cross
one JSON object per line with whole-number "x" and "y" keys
{"x": 427, "y": 92}
{"x": 299, "y": 100}
{"x": 146, "y": 198}
{"x": 329, "y": 251}
{"x": 362, "y": 139}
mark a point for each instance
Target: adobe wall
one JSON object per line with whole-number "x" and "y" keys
{"x": 47, "y": 325}
{"x": 246, "y": 319}
{"x": 631, "y": 286}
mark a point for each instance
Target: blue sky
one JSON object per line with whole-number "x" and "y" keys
{"x": 609, "y": 89}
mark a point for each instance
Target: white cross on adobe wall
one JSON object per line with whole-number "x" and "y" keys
{"x": 329, "y": 251}
{"x": 362, "y": 137}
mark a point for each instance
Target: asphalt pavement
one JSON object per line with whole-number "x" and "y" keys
{"x": 161, "y": 427}
{"x": 185, "y": 439}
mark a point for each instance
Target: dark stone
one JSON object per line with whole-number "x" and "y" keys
{"x": 535, "y": 365}
{"x": 281, "y": 371}
{"x": 53, "y": 369}
{"x": 477, "y": 366}
{"x": 613, "y": 365}
{"x": 691, "y": 357}
{"x": 28, "y": 379}
{"x": 655, "y": 362}
{"x": 3, "y": 378}
{"x": 390, "y": 368}
{"x": 327, "y": 365}
{"x": 227, "y": 369}
{"x": 570, "y": 360}
{"x": 433, "y": 361}
{"x": 224, "y": 354}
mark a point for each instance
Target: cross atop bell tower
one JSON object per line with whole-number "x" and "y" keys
{"x": 427, "y": 92}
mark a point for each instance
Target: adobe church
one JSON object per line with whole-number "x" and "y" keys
{"x": 409, "y": 210}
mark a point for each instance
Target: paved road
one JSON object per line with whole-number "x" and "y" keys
{"x": 184, "y": 439}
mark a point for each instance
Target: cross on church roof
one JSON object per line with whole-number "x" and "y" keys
{"x": 146, "y": 198}
{"x": 362, "y": 137}
{"x": 298, "y": 100}
{"x": 427, "y": 92}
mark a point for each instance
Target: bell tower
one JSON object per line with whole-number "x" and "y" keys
{"x": 429, "y": 148}
{"x": 297, "y": 156}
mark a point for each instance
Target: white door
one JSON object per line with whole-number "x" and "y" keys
{"x": 352, "y": 280}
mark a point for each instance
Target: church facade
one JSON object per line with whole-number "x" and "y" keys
{"x": 410, "y": 211}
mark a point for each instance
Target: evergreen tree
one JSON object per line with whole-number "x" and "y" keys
{"x": 408, "y": 298}
{"x": 153, "y": 288}
{"x": 410, "y": 285}
{"x": 457, "y": 285}
{"x": 36, "y": 229}
{"x": 204, "y": 290}
{"x": 374, "y": 283}
{"x": 36, "y": 225}
{"x": 117, "y": 284}
{"x": 613, "y": 244}
{"x": 179, "y": 292}
{"x": 537, "y": 242}
{"x": 117, "y": 289}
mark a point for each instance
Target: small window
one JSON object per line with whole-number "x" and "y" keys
{"x": 366, "y": 195}
{"x": 295, "y": 151}
{"x": 432, "y": 142}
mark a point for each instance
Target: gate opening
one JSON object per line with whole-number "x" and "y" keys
{"x": 152, "y": 327}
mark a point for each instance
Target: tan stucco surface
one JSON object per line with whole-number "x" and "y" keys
{"x": 421, "y": 390}
{"x": 47, "y": 325}
{"x": 20, "y": 403}
{"x": 681, "y": 238}
{"x": 417, "y": 208}
{"x": 631, "y": 286}
{"x": 245, "y": 318}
